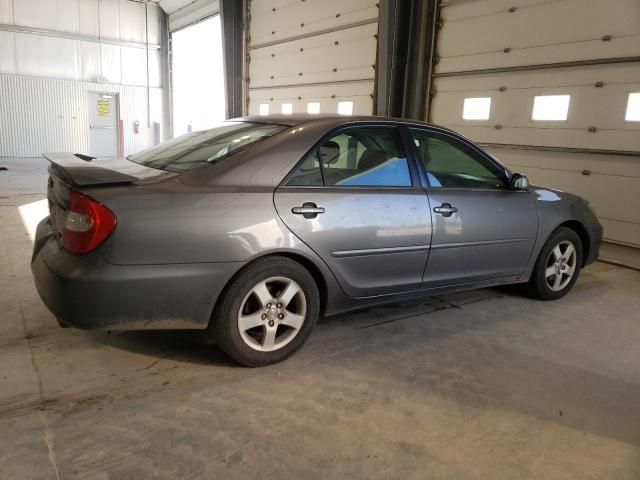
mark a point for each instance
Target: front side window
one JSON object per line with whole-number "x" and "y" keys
{"x": 201, "y": 149}
{"x": 453, "y": 164}
{"x": 363, "y": 157}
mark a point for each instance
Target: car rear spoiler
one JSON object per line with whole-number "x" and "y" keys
{"x": 80, "y": 170}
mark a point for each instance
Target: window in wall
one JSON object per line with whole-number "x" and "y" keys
{"x": 345, "y": 108}
{"x": 264, "y": 109}
{"x": 550, "y": 107}
{"x": 313, "y": 107}
{"x": 476, "y": 108}
{"x": 287, "y": 108}
{"x": 198, "y": 87}
{"x": 633, "y": 108}
{"x": 358, "y": 157}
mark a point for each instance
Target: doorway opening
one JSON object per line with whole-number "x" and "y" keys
{"x": 198, "y": 76}
{"x": 104, "y": 140}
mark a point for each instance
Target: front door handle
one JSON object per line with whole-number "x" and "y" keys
{"x": 446, "y": 210}
{"x": 308, "y": 210}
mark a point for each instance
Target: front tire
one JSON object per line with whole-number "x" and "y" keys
{"x": 557, "y": 267}
{"x": 267, "y": 312}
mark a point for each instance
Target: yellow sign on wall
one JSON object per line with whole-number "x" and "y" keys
{"x": 104, "y": 107}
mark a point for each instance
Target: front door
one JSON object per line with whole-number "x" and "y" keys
{"x": 103, "y": 124}
{"x": 481, "y": 229}
{"x": 355, "y": 201}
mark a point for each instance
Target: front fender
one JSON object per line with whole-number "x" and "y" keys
{"x": 556, "y": 208}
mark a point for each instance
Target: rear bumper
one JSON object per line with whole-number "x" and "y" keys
{"x": 88, "y": 292}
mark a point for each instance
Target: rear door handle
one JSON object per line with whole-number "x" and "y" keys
{"x": 446, "y": 210}
{"x": 308, "y": 210}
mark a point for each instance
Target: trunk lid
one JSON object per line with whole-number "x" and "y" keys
{"x": 78, "y": 171}
{"x": 71, "y": 172}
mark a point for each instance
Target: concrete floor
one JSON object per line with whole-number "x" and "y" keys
{"x": 480, "y": 385}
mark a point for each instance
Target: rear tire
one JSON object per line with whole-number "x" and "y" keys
{"x": 557, "y": 267}
{"x": 267, "y": 312}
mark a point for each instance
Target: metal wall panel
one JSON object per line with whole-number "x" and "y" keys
{"x": 542, "y": 32}
{"x": 40, "y": 114}
{"x": 39, "y": 55}
{"x": 59, "y": 15}
{"x": 303, "y": 52}
{"x": 154, "y": 24}
{"x": 535, "y": 32}
{"x": 109, "y": 18}
{"x": 89, "y": 61}
{"x": 89, "y": 18}
{"x": 8, "y": 55}
{"x": 69, "y": 47}
{"x": 6, "y": 11}
{"x": 132, "y": 21}
{"x": 58, "y": 40}
{"x": 111, "y": 63}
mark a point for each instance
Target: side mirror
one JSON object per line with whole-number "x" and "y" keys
{"x": 519, "y": 182}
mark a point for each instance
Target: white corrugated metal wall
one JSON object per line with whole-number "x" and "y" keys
{"x": 320, "y": 52}
{"x": 490, "y": 48}
{"x": 53, "y": 52}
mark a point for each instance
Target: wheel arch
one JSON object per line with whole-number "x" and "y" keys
{"x": 306, "y": 262}
{"x": 583, "y": 234}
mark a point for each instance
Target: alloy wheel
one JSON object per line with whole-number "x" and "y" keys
{"x": 560, "y": 266}
{"x": 272, "y": 314}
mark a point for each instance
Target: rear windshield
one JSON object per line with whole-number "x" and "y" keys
{"x": 201, "y": 149}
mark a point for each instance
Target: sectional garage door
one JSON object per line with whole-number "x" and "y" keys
{"x": 316, "y": 55}
{"x": 181, "y": 13}
{"x": 593, "y": 47}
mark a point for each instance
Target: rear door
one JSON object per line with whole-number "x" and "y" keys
{"x": 356, "y": 201}
{"x": 481, "y": 228}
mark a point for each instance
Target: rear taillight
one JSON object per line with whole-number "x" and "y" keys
{"x": 87, "y": 224}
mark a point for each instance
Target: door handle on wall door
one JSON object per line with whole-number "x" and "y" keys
{"x": 308, "y": 210}
{"x": 446, "y": 210}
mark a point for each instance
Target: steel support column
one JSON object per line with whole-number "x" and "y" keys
{"x": 232, "y": 20}
{"x": 406, "y": 40}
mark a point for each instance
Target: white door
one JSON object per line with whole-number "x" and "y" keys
{"x": 103, "y": 124}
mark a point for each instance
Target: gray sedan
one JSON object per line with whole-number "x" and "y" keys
{"x": 253, "y": 229}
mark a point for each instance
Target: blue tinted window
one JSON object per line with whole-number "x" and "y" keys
{"x": 365, "y": 157}
{"x": 393, "y": 172}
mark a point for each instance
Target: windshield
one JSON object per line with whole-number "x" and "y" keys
{"x": 201, "y": 149}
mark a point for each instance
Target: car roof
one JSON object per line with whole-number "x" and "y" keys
{"x": 328, "y": 120}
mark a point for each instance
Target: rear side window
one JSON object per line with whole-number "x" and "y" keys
{"x": 308, "y": 172}
{"x": 356, "y": 157}
{"x": 201, "y": 149}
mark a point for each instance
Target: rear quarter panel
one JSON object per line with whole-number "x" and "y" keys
{"x": 158, "y": 224}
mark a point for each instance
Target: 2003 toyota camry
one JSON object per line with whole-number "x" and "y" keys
{"x": 254, "y": 228}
